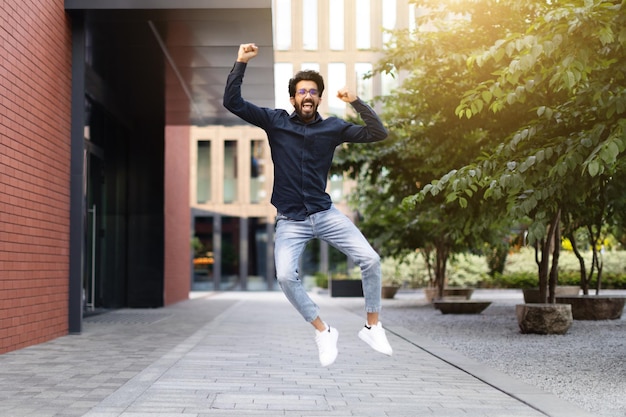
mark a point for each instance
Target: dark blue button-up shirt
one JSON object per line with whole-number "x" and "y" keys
{"x": 302, "y": 152}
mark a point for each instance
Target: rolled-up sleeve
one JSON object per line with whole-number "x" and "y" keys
{"x": 373, "y": 131}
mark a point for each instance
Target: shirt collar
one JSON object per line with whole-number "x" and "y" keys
{"x": 294, "y": 116}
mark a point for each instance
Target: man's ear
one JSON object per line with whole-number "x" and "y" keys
{"x": 292, "y": 100}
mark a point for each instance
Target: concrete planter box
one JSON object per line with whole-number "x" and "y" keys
{"x": 461, "y": 306}
{"x": 594, "y": 307}
{"x": 345, "y": 288}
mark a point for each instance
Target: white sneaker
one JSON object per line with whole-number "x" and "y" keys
{"x": 327, "y": 345}
{"x": 375, "y": 336}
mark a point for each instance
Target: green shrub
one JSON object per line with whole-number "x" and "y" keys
{"x": 321, "y": 279}
{"x": 530, "y": 280}
{"x": 467, "y": 270}
{"x": 521, "y": 270}
{"x": 520, "y": 279}
{"x": 471, "y": 270}
{"x": 409, "y": 271}
{"x": 614, "y": 281}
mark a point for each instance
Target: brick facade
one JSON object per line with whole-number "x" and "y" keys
{"x": 35, "y": 93}
{"x": 177, "y": 269}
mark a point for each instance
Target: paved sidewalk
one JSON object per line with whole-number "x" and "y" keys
{"x": 250, "y": 354}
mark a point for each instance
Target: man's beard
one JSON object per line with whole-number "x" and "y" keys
{"x": 307, "y": 114}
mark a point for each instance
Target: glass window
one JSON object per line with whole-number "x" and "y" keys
{"x": 229, "y": 251}
{"x": 257, "y": 172}
{"x": 388, "y": 83}
{"x": 336, "y": 188}
{"x": 257, "y": 254}
{"x": 336, "y": 81}
{"x": 364, "y": 86}
{"x": 389, "y": 19}
{"x": 230, "y": 171}
{"x": 203, "y": 186}
{"x": 309, "y": 25}
{"x": 336, "y": 25}
{"x": 282, "y": 24}
{"x": 363, "y": 24}
{"x": 282, "y": 74}
{"x": 202, "y": 245}
{"x": 310, "y": 66}
{"x": 412, "y": 17}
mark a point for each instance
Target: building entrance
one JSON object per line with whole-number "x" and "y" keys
{"x": 104, "y": 277}
{"x": 94, "y": 242}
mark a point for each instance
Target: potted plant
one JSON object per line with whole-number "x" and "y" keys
{"x": 438, "y": 288}
{"x": 461, "y": 306}
{"x": 393, "y": 276}
{"x": 390, "y": 287}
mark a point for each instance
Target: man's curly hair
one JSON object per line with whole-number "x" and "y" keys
{"x": 307, "y": 75}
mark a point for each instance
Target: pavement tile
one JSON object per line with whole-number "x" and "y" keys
{"x": 250, "y": 354}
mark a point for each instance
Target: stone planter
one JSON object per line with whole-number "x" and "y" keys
{"x": 531, "y": 295}
{"x": 389, "y": 291}
{"x": 345, "y": 288}
{"x": 594, "y": 307}
{"x": 431, "y": 293}
{"x": 544, "y": 318}
{"x": 461, "y": 306}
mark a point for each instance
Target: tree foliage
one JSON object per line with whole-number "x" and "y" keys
{"x": 511, "y": 112}
{"x": 567, "y": 70}
{"x": 427, "y": 140}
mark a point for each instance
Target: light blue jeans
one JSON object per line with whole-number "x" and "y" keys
{"x": 338, "y": 230}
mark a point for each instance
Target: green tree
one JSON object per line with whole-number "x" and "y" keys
{"x": 564, "y": 75}
{"x": 427, "y": 139}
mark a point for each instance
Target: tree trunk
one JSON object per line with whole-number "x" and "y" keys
{"x": 432, "y": 280}
{"x": 599, "y": 265}
{"x": 594, "y": 239}
{"x": 546, "y": 278}
{"x": 584, "y": 282}
{"x": 442, "y": 253}
{"x": 543, "y": 270}
{"x": 554, "y": 269}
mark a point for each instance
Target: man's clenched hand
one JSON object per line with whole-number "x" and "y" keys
{"x": 247, "y": 51}
{"x": 346, "y": 95}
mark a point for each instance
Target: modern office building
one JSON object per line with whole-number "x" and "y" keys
{"x": 97, "y": 101}
{"x": 231, "y": 169}
{"x": 110, "y": 109}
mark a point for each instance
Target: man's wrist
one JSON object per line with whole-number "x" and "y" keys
{"x": 355, "y": 101}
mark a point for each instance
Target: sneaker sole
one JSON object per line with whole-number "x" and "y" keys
{"x": 373, "y": 345}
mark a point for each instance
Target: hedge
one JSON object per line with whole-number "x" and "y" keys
{"x": 529, "y": 279}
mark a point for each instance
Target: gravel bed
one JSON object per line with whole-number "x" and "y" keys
{"x": 586, "y": 366}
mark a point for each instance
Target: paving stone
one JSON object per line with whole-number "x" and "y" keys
{"x": 249, "y": 354}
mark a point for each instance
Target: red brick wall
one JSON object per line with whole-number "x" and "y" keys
{"x": 35, "y": 92}
{"x": 177, "y": 215}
